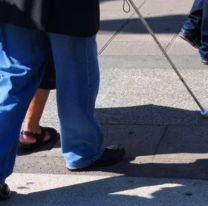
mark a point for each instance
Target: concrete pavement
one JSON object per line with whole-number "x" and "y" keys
{"x": 79, "y": 190}
{"x": 142, "y": 105}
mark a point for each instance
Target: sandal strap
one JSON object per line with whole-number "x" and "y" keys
{"x": 51, "y": 131}
{"x": 36, "y": 136}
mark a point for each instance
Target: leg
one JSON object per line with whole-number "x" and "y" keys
{"x": 191, "y": 30}
{"x": 204, "y": 34}
{"x": 77, "y": 73}
{"x": 77, "y": 87}
{"x": 35, "y": 110}
{"x": 33, "y": 136}
{"x": 38, "y": 102}
{"x": 193, "y": 23}
{"x": 20, "y": 74}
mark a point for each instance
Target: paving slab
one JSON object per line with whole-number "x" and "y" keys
{"x": 186, "y": 140}
{"x": 139, "y": 140}
{"x": 182, "y": 152}
{"x": 70, "y": 190}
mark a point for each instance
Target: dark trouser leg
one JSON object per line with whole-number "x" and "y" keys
{"x": 204, "y": 33}
{"x": 192, "y": 25}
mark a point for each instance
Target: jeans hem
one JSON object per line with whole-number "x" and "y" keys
{"x": 84, "y": 163}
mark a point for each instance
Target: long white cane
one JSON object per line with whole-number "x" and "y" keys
{"x": 204, "y": 112}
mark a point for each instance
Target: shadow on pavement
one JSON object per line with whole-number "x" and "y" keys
{"x": 149, "y": 131}
{"x": 160, "y": 25}
{"x": 150, "y": 115}
{"x": 160, "y": 141}
{"x": 114, "y": 191}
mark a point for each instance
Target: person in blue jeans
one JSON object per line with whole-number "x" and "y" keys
{"x": 195, "y": 28}
{"x": 29, "y": 32}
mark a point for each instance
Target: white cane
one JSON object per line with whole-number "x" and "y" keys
{"x": 204, "y": 112}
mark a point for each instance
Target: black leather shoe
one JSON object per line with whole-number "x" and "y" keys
{"x": 111, "y": 155}
{"x": 191, "y": 39}
{"x": 204, "y": 61}
{"x": 4, "y": 192}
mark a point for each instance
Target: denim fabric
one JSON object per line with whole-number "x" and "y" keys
{"x": 77, "y": 83}
{"x": 193, "y": 23}
{"x": 22, "y": 61}
{"x": 197, "y": 25}
{"x": 204, "y": 32}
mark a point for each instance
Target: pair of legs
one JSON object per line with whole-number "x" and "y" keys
{"x": 22, "y": 61}
{"x": 195, "y": 28}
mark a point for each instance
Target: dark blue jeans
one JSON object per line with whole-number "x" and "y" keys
{"x": 197, "y": 25}
{"x": 204, "y": 31}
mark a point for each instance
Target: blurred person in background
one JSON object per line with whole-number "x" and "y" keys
{"x": 195, "y": 28}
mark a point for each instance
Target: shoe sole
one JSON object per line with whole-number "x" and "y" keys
{"x": 193, "y": 44}
{"x": 96, "y": 165}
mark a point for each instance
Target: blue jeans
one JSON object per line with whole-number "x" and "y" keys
{"x": 204, "y": 32}
{"x": 23, "y": 55}
{"x": 197, "y": 25}
{"x": 192, "y": 25}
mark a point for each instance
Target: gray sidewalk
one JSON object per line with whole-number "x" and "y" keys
{"x": 90, "y": 190}
{"x": 142, "y": 105}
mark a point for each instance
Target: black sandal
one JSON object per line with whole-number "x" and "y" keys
{"x": 40, "y": 142}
